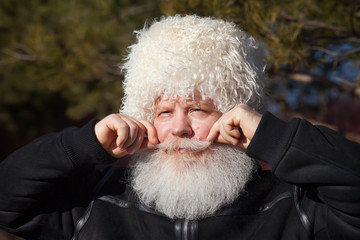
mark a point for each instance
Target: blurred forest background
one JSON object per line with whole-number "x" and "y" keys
{"x": 59, "y": 58}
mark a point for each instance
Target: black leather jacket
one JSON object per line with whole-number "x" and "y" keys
{"x": 49, "y": 189}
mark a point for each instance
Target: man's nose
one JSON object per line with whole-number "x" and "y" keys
{"x": 181, "y": 126}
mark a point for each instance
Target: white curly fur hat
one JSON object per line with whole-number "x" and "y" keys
{"x": 179, "y": 54}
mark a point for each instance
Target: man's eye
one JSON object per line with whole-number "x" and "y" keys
{"x": 164, "y": 113}
{"x": 197, "y": 110}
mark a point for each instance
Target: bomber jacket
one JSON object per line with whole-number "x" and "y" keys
{"x": 51, "y": 189}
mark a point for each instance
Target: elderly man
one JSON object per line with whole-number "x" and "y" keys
{"x": 192, "y": 122}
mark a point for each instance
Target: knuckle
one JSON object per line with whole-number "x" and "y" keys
{"x": 123, "y": 127}
{"x": 134, "y": 128}
{"x": 113, "y": 115}
{"x": 142, "y": 128}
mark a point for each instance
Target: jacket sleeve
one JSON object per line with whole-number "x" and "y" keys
{"x": 326, "y": 164}
{"x": 49, "y": 174}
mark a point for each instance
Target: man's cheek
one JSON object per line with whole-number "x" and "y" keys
{"x": 201, "y": 132}
{"x": 162, "y": 134}
{"x": 159, "y": 131}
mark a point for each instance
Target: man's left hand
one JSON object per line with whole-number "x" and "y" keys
{"x": 236, "y": 127}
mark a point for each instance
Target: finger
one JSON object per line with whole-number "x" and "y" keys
{"x": 133, "y": 129}
{"x": 231, "y": 127}
{"x": 118, "y": 152}
{"x": 231, "y": 131}
{"x": 147, "y": 145}
{"x": 214, "y": 132}
{"x": 151, "y": 133}
{"x": 225, "y": 133}
{"x": 118, "y": 125}
{"x": 138, "y": 141}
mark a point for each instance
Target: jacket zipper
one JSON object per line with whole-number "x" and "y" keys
{"x": 186, "y": 229}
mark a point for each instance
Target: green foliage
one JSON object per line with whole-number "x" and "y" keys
{"x": 62, "y": 56}
{"x": 70, "y": 47}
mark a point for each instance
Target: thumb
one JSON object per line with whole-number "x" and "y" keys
{"x": 146, "y": 144}
{"x": 214, "y": 132}
{"x": 150, "y": 139}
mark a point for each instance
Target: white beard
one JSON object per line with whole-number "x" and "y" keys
{"x": 190, "y": 185}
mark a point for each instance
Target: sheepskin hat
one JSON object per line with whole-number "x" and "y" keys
{"x": 179, "y": 54}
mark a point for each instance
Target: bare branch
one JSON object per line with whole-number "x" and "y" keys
{"x": 312, "y": 25}
{"x": 335, "y": 54}
{"x": 332, "y": 53}
{"x": 301, "y": 77}
{"x": 24, "y": 48}
{"x": 23, "y": 57}
{"x": 345, "y": 82}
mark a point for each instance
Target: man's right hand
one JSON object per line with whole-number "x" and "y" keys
{"x": 120, "y": 134}
{"x": 236, "y": 127}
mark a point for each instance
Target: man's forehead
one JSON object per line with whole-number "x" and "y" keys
{"x": 196, "y": 101}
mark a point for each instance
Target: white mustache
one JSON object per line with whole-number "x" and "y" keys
{"x": 190, "y": 145}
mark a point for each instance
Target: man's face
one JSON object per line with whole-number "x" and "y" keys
{"x": 185, "y": 177}
{"x": 184, "y": 118}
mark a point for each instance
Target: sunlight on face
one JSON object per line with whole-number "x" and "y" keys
{"x": 184, "y": 118}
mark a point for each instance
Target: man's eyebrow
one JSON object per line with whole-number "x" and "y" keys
{"x": 162, "y": 106}
{"x": 206, "y": 103}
